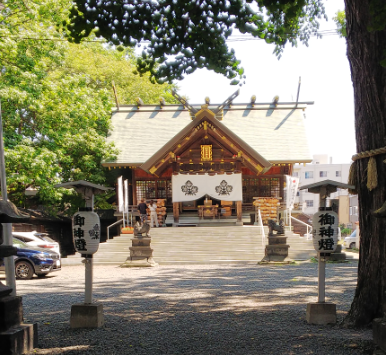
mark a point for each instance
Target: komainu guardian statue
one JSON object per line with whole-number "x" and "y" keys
{"x": 278, "y": 228}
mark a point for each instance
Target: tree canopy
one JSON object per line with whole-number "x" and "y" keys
{"x": 56, "y": 100}
{"x": 193, "y": 33}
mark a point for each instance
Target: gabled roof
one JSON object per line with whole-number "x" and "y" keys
{"x": 275, "y": 132}
{"x": 205, "y": 123}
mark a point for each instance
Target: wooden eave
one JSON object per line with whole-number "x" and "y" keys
{"x": 205, "y": 121}
{"x": 296, "y": 161}
{"x": 115, "y": 165}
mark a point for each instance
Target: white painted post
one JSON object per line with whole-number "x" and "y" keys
{"x": 322, "y": 261}
{"x": 126, "y": 202}
{"x": 7, "y": 227}
{"x": 88, "y": 266}
{"x": 321, "y": 279}
{"x": 260, "y": 223}
{"x": 88, "y": 279}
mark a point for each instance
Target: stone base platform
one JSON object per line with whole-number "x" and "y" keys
{"x": 140, "y": 262}
{"x": 21, "y": 339}
{"x": 379, "y": 332}
{"x": 276, "y": 250}
{"x": 87, "y": 315}
{"x": 278, "y": 261}
{"x": 337, "y": 255}
{"x": 321, "y": 313}
{"x": 141, "y": 255}
{"x": 15, "y": 337}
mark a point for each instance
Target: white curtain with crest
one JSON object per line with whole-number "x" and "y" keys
{"x": 221, "y": 187}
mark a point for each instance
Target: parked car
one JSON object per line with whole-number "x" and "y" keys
{"x": 30, "y": 260}
{"x": 37, "y": 239}
{"x": 350, "y": 242}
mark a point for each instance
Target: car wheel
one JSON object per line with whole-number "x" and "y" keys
{"x": 352, "y": 245}
{"x": 24, "y": 270}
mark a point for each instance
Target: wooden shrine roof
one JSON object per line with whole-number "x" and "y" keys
{"x": 277, "y": 133}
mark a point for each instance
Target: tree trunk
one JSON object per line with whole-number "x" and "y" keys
{"x": 365, "y": 50}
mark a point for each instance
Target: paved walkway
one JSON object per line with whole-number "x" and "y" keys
{"x": 195, "y": 310}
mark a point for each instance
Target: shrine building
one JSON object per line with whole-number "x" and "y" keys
{"x": 209, "y": 159}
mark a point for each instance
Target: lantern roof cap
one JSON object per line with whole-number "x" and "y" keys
{"x": 326, "y": 186}
{"x": 84, "y": 187}
{"x": 9, "y": 213}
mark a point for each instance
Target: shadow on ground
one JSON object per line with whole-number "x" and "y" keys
{"x": 199, "y": 309}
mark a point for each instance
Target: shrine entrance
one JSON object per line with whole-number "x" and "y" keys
{"x": 208, "y": 161}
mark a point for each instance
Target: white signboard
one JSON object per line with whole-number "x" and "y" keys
{"x": 120, "y": 194}
{"x": 325, "y": 225}
{"x": 126, "y": 190}
{"x": 222, "y": 187}
{"x": 292, "y": 189}
{"x": 86, "y": 232}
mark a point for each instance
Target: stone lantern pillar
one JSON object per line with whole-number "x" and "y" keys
{"x": 16, "y": 337}
{"x": 87, "y": 314}
{"x": 325, "y": 225}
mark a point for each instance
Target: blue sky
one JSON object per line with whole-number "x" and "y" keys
{"x": 326, "y": 80}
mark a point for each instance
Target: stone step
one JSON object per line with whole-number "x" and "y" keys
{"x": 231, "y": 244}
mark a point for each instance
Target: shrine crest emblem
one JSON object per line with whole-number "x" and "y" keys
{"x": 224, "y": 188}
{"x": 189, "y": 188}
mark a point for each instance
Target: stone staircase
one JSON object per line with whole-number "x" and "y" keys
{"x": 199, "y": 245}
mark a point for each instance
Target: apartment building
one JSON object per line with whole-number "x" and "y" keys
{"x": 353, "y": 211}
{"x": 321, "y": 169}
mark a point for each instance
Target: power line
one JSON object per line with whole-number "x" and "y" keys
{"x": 235, "y": 38}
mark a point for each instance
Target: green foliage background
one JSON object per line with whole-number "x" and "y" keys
{"x": 56, "y": 101}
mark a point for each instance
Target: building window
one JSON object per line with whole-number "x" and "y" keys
{"x": 309, "y": 174}
{"x": 152, "y": 189}
{"x": 295, "y": 174}
{"x": 322, "y": 173}
{"x": 338, "y": 173}
{"x": 270, "y": 187}
{"x": 260, "y": 187}
{"x": 310, "y": 203}
{"x": 355, "y": 210}
{"x": 350, "y": 211}
{"x": 250, "y": 190}
{"x": 275, "y": 187}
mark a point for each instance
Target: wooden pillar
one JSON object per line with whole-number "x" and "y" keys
{"x": 176, "y": 212}
{"x": 134, "y": 187}
{"x": 239, "y": 211}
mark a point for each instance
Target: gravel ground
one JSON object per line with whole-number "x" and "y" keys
{"x": 196, "y": 309}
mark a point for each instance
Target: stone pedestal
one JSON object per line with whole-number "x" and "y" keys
{"x": 379, "y": 332}
{"x": 87, "y": 315}
{"x": 15, "y": 337}
{"x": 141, "y": 255}
{"x": 321, "y": 313}
{"x": 5, "y": 251}
{"x": 277, "y": 249}
{"x": 337, "y": 255}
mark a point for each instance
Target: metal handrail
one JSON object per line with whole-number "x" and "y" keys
{"x": 309, "y": 236}
{"x": 112, "y": 225}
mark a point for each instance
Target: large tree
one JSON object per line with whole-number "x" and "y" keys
{"x": 56, "y": 100}
{"x": 185, "y": 35}
{"x": 366, "y": 51}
